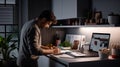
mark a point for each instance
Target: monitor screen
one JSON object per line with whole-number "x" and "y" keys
{"x": 99, "y": 40}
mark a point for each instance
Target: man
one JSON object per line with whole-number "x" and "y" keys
{"x": 30, "y": 40}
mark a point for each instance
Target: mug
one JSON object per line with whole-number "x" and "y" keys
{"x": 115, "y": 53}
{"x": 102, "y": 55}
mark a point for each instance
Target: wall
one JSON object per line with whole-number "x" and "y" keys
{"x": 29, "y": 9}
{"x": 83, "y": 6}
{"x": 114, "y": 31}
{"x": 87, "y": 31}
{"x": 49, "y": 34}
{"x": 22, "y": 12}
{"x": 35, "y": 7}
{"x": 107, "y": 6}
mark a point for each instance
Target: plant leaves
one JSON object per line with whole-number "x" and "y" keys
{"x": 65, "y": 44}
{"x": 9, "y": 37}
{"x": 4, "y": 45}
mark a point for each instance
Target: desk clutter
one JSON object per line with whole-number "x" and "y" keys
{"x": 98, "y": 46}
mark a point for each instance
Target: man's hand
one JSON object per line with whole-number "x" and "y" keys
{"x": 56, "y": 50}
{"x": 50, "y": 50}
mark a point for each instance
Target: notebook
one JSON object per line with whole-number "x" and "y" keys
{"x": 98, "y": 41}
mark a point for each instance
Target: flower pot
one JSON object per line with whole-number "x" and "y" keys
{"x": 114, "y": 19}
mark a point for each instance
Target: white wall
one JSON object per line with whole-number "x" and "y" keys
{"x": 114, "y": 31}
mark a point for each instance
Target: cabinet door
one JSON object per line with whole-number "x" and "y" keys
{"x": 56, "y": 64}
{"x": 65, "y": 8}
{"x": 69, "y": 9}
{"x": 43, "y": 61}
{"x": 57, "y": 8}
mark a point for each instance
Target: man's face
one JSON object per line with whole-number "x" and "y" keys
{"x": 47, "y": 24}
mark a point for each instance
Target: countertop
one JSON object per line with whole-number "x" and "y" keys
{"x": 70, "y": 61}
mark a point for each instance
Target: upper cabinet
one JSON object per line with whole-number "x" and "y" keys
{"x": 64, "y": 9}
{"x": 77, "y": 13}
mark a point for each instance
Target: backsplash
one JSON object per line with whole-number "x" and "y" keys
{"x": 87, "y": 31}
{"x": 114, "y": 31}
{"x": 48, "y": 35}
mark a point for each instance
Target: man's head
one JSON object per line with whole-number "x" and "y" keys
{"x": 47, "y": 18}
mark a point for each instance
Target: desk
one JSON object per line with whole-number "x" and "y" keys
{"x": 65, "y": 60}
{"x": 57, "y": 61}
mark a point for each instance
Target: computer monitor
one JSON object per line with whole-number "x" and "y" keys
{"x": 99, "y": 41}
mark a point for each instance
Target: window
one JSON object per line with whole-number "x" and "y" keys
{"x": 7, "y": 19}
{"x": 7, "y": 11}
{"x": 7, "y": 1}
{"x": 6, "y": 14}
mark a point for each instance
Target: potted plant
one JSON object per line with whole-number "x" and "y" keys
{"x": 6, "y": 46}
{"x": 65, "y": 45}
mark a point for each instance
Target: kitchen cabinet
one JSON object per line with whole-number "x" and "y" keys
{"x": 64, "y": 9}
{"x": 73, "y": 11}
{"x": 53, "y": 63}
{"x": 68, "y": 61}
{"x": 43, "y": 61}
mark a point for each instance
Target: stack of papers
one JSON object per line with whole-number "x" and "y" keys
{"x": 65, "y": 51}
{"x": 77, "y": 54}
{"x": 72, "y": 53}
{"x": 63, "y": 56}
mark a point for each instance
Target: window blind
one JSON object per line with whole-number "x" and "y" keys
{"x": 6, "y": 14}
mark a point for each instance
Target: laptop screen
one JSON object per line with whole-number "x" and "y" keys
{"x": 99, "y": 40}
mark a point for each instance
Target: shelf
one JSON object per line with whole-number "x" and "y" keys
{"x": 78, "y": 26}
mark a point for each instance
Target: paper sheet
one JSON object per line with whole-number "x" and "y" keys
{"x": 77, "y": 54}
{"x": 63, "y": 56}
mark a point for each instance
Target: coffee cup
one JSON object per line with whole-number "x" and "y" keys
{"x": 115, "y": 53}
{"x": 103, "y": 53}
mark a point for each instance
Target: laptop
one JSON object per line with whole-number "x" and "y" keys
{"x": 98, "y": 41}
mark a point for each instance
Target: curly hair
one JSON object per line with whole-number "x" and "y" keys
{"x": 49, "y": 15}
